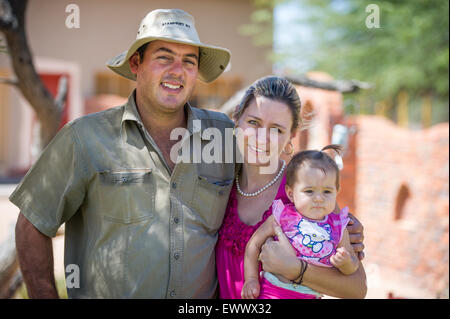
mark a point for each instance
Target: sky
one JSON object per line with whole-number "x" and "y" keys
{"x": 289, "y": 31}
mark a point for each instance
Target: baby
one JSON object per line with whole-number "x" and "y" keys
{"x": 317, "y": 233}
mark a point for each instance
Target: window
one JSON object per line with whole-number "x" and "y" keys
{"x": 402, "y": 197}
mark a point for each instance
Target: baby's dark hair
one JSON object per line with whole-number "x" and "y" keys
{"x": 314, "y": 159}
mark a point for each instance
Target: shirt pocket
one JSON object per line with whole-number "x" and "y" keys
{"x": 210, "y": 200}
{"x": 127, "y": 195}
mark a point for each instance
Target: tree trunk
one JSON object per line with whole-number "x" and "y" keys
{"x": 47, "y": 109}
{"x": 12, "y": 24}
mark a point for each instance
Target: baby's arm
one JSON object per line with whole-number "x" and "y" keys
{"x": 345, "y": 258}
{"x": 250, "y": 290}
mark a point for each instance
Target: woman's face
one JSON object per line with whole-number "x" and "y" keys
{"x": 264, "y": 130}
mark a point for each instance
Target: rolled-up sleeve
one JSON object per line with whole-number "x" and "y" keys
{"x": 54, "y": 188}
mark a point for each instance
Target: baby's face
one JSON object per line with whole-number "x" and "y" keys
{"x": 314, "y": 193}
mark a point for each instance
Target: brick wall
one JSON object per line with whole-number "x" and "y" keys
{"x": 402, "y": 195}
{"x": 396, "y": 181}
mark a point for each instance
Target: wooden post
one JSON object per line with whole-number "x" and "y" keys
{"x": 382, "y": 108}
{"x": 5, "y": 109}
{"x": 426, "y": 111}
{"x": 402, "y": 109}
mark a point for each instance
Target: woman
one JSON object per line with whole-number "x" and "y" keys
{"x": 270, "y": 105}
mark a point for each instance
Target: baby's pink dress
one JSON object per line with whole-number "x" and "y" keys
{"x": 230, "y": 249}
{"x": 315, "y": 241}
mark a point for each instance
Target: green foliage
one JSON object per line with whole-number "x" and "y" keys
{"x": 260, "y": 28}
{"x": 409, "y": 51}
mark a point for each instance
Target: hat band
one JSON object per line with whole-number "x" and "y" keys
{"x": 172, "y": 33}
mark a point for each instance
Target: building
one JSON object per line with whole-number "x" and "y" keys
{"x": 396, "y": 181}
{"x": 106, "y": 28}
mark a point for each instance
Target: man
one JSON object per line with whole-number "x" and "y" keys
{"x": 138, "y": 225}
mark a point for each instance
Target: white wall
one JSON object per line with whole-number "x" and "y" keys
{"x": 108, "y": 27}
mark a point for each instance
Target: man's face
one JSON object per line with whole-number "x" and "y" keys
{"x": 166, "y": 77}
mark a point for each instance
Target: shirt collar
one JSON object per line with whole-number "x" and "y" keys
{"x": 131, "y": 114}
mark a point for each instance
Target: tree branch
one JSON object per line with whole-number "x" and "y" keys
{"x": 61, "y": 95}
{"x": 12, "y": 17}
{"x": 9, "y": 81}
{"x": 343, "y": 86}
{"x": 7, "y": 19}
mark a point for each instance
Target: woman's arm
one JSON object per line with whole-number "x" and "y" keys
{"x": 331, "y": 282}
{"x": 279, "y": 257}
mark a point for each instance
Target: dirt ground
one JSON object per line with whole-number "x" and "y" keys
{"x": 380, "y": 281}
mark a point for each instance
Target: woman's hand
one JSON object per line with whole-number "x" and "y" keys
{"x": 356, "y": 231}
{"x": 279, "y": 257}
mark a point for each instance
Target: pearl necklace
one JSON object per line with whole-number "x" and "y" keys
{"x": 262, "y": 189}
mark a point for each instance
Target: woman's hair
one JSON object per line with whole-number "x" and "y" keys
{"x": 275, "y": 88}
{"x": 313, "y": 159}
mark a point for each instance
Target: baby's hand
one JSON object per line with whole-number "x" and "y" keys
{"x": 341, "y": 258}
{"x": 250, "y": 290}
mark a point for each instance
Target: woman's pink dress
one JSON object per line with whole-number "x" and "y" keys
{"x": 230, "y": 249}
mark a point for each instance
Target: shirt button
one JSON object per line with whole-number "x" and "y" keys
{"x": 172, "y": 293}
{"x": 174, "y": 185}
{"x": 176, "y": 256}
{"x": 176, "y": 220}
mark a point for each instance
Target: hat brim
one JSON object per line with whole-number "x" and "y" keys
{"x": 213, "y": 60}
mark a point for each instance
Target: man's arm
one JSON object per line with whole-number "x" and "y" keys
{"x": 35, "y": 254}
{"x": 356, "y": 235}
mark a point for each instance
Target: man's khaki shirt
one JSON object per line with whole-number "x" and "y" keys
{"x": 133, "y": 228}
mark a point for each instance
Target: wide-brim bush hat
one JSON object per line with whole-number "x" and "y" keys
{"x": 177, "y": 26}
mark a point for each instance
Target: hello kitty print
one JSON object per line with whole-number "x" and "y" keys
{"x": 314, "y": 241}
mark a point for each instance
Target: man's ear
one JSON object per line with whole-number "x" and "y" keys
{"x": 134, "y": 62}
{"x": 289, "y": 192}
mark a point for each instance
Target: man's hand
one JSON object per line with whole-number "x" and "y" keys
{"x": 356, "y": 232}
